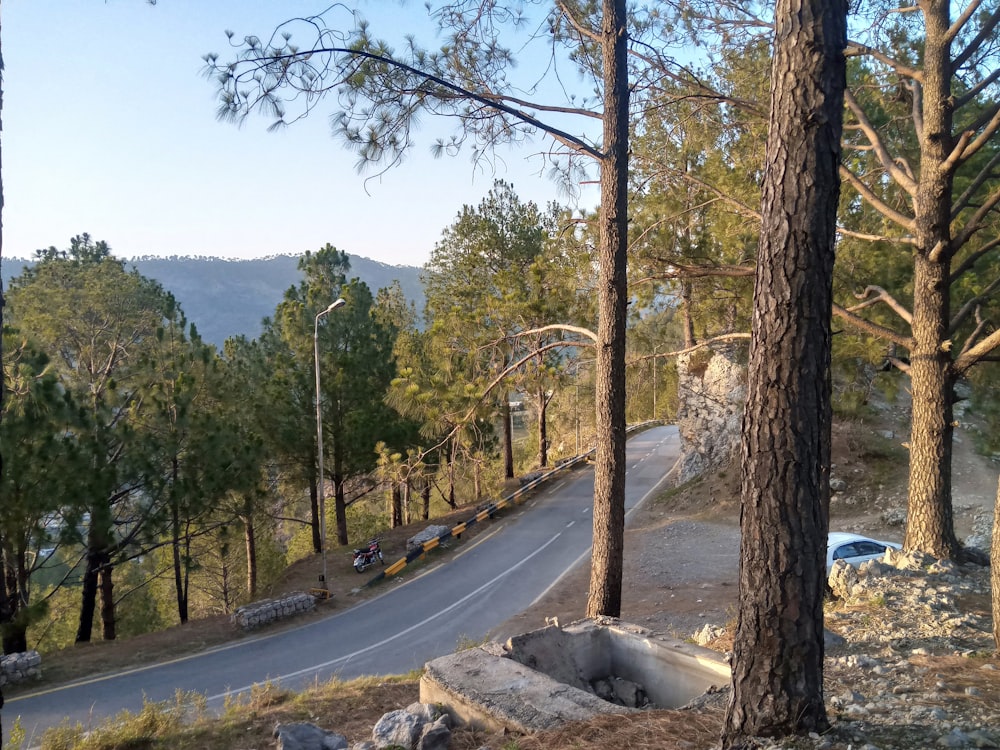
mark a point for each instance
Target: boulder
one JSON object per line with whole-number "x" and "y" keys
{"x": 431, "y": 532}
{"x": 405, "y": 728}
{"x": 305, "y": 736}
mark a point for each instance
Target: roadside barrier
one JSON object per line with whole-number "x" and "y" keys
{"x": 490, "y": 510}
{"x": 267, "y": 611}
{"x": 20, "y": 666}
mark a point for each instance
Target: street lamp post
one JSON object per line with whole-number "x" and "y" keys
{"x": 319, "y": 440}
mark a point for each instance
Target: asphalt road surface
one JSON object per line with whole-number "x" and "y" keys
{"x": 499, "y": 574}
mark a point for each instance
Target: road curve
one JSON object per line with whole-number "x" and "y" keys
{"x": 420, "y": 617}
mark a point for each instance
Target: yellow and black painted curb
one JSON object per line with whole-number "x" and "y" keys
{"x": 515, "y": 498}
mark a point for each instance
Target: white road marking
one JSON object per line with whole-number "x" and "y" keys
{"x": 400, "y": 634}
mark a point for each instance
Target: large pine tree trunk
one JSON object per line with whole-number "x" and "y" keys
{"x": 609, "y": 466}
{"x": 929, "y": 525}
{"x": 777, "y": 686}
{"x": 929, "y": 521}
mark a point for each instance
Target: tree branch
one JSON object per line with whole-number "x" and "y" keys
{"x": 881, "y": 295}
{"x": 285, "y": 60}
{"x": 976, "y": 353}
{"x": 903, "y": 179}
{"x": 985, "y": 32}
{"x": 874, "y": 201}
{"x": 985, "y": 174}
{"x": 687, "y": 350}
{"x": 971, "y": 261}
{"x": 881, "y": 332}
{"x": 976, "y": 223}
{"x": 986, "y": 136}
{"x": 971, "y": 305}
{"x": 856, "y": 49}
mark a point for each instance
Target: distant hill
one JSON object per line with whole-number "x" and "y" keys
{"x": 226, "y": 298}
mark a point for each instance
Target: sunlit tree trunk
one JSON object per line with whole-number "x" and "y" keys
{"x": 929, "y": 524}
{"x": 609, "y": 467}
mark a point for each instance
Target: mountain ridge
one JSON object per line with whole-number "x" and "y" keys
{"x": 226, "y": 297}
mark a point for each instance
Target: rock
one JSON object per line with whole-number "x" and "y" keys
{"x": 305, "y": 736}
{"x": 431, "y": 532}
{"x": 894, "y": 516}
{"x": 837, "y": 484}
{"x": 832, "y": 640}
{"x": 955, "y": 738}
{"x": 267, "y": 611}
{"x": 436, "y": 736}
{"x": 707, "y": 634}
{"x": 404, "y": 728}
{"x": 842, "y": 580}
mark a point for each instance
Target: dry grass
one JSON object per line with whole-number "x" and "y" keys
{"x": 665, "y": 730}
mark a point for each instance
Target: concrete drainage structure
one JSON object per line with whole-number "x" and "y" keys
{"x": 547, "y": 677}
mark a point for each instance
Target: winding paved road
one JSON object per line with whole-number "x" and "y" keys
{"x": 499, "y": 574}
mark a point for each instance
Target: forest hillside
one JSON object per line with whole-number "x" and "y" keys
{"x": 225, "y": 297}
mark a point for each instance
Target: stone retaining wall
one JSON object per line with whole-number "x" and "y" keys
{"x": 265, "y": 612}
{"x": 19, "y": 667}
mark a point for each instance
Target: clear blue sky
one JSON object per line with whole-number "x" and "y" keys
{"x": 109, "y": 128}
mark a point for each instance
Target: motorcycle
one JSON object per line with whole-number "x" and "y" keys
{"x": 366, "y": 557}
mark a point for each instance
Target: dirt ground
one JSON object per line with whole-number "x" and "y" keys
{"x": 681, "y": 564}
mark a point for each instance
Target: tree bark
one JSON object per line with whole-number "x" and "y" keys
{"x": 250, "y": 541}
{"x": 543, "y": 435}
{"x": 777, "y": 686}
{"x": 995, "y": 570}
{"x": 609, "y": 466}
{"x": 88, "y": 597}
{"x": 109, "y": 625}
{"x": 397, "y": 506}
{"x": 340, "y": 509}
{"x": 314, "y": 515}
{"x": 929, "y": 524}
{"x": 508, "y": 440}
{"x": 15, "y": 637}
{"x": 178, "y": 564}
{"x": 1, "y": 294}
{"x": 687, "y": 322}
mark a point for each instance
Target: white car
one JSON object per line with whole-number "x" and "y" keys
{"x": 854, "y": 549}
